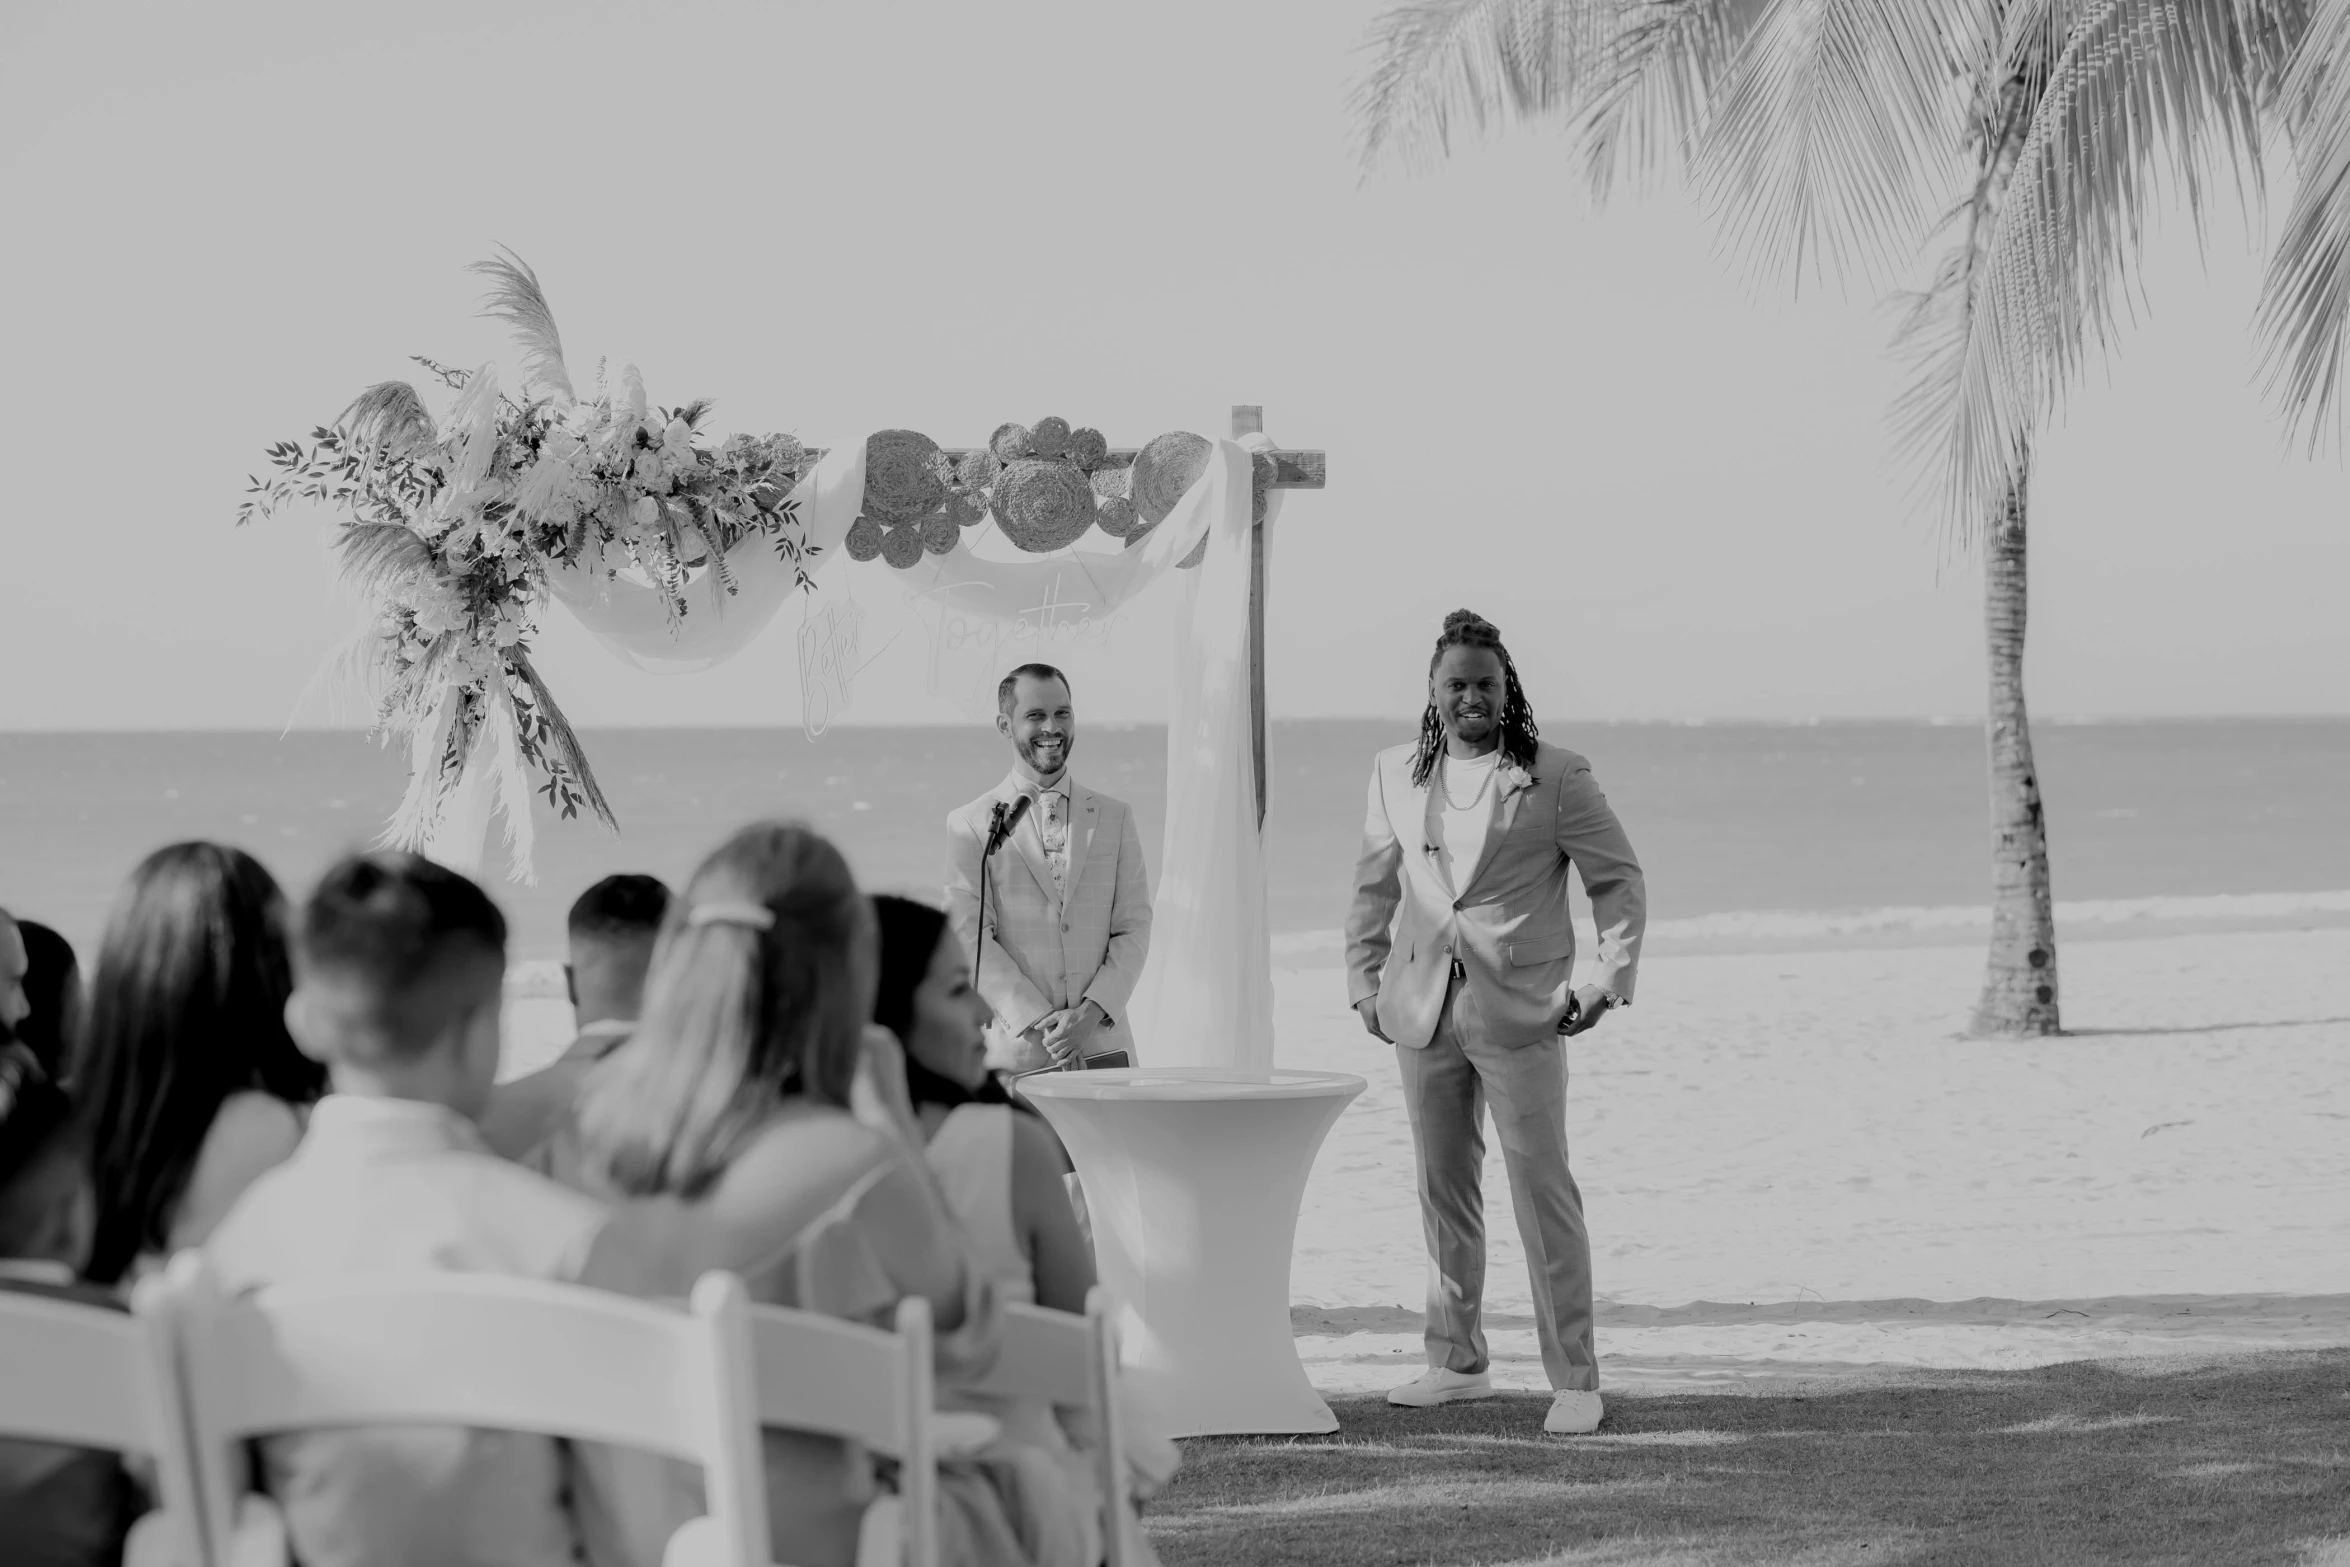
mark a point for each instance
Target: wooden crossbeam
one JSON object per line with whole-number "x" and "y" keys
{"x": 1298, "y": 470}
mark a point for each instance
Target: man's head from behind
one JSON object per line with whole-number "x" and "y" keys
{"x": 612, "y": 929}
{"x": 398, "y": 969}
{"x": 47, "y": 1210}
{"x": 1034, "y": 712}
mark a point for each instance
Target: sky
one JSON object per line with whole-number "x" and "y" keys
{"x": 1669, "y": 486}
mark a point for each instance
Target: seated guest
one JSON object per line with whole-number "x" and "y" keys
{"x": 191, "y": 1082}
{"x": 999, "y": 1164}
{"x": 54, "y": 1004}
{"x": 753, "y": 1030}
{"x": 612, "y": 927}
{"x": 59, "y": 1506}
{"x": 399, "y": 968}
{"x": 1002, "y": 1170}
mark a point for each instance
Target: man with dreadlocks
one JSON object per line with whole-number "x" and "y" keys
{"x": 1460, "y": 951}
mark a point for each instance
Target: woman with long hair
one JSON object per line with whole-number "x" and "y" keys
{"x": 734, "y": 1092}
{"x": 192, "y": 1085}
{"x": 999, "y": 1164}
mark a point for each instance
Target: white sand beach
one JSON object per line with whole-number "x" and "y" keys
{"x": 1793, "y": 1166}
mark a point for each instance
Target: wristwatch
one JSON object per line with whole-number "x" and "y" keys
{"x": 1608, "y": 1002}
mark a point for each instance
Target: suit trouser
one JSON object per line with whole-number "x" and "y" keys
{"x": 1447, "y": 1088}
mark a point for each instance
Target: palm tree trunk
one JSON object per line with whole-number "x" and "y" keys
{"x": 2019, "y": 981}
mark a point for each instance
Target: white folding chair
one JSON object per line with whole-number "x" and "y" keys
{"x": 449, "y": 1349}
{"x": 832, "y": 1378}
{"x": 84, "y": 1376}
{"x": 1072, "y": 1362}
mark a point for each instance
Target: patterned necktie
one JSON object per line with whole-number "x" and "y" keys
{"x": 1056, "y": 835}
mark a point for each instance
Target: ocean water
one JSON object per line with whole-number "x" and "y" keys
{"x": 1758, "y": 827}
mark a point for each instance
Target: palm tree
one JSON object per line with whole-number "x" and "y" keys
{"x": 2024, "y": 140}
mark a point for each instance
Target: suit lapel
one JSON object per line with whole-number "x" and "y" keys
{"x": 1028, "y": 838}
{"x": 1413, "y": 829}
{"x": 1505, "y": 811}
{"x": 1084, "y": 816}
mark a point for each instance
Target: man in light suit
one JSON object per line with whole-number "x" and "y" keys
{"x": 1461, "y": 952}
{"x": 1060, "y": 942}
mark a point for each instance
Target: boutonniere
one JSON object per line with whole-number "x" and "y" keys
{"x": 1514, "y": 778}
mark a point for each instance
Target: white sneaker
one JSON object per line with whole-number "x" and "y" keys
{"x": 1442, "y": 1387}
{"x": 1573, "y": 1412}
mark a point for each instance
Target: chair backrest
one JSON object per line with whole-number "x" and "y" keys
{"x": 1072, "y": 1362}
{"x": 833, "y": 1378}
{"x": 86, "y": 1376}
{"x": 472, "y": 1350}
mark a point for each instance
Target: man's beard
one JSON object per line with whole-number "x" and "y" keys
{"x": 1027, "y": 749}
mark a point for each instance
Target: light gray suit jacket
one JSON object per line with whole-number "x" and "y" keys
{"x": 1041, "y": 954}
{"x": 1509, "y": 923}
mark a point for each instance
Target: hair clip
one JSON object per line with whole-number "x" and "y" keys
{"x": 750, "y": 916}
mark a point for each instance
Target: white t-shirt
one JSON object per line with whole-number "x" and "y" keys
{"x": 1457, "y": 831}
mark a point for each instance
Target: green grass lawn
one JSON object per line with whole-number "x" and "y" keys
{"x": 2230, "y": 1461}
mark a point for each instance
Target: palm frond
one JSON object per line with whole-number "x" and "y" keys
{"x": 381, "y": 557}
{"x": 388, "y": 420}
{"x": 2144, "y": 97}
{"x": 2305, "y": 298}
{"x": 1838, "y": 123}
{"x": 1441, "y": 64}
{"x": 516, "y": 299}
{"x": 1657, "y": 82}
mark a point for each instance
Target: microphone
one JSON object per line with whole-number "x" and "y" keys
{"x": 1004, "y": 819}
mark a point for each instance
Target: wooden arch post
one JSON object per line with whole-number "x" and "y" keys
{"x": 1291, "y": 471}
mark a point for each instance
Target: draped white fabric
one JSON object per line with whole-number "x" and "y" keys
{"x": 1206, "y": 997}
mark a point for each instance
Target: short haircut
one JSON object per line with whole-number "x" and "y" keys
{"x": 44, "y": 1151}
{"x": 1011, "y": 683}
{"x": 390, "y": 941}
{"x": 620, "y": 907}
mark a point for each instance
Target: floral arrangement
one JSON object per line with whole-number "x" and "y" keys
{"x": 450, "y": 532}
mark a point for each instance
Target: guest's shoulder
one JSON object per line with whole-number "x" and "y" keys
{"x": 251, "y": 1136}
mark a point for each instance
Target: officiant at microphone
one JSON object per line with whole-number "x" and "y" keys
{"x": 1058, "y": 941}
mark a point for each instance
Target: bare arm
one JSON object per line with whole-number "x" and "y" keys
{"x": 1017, "y": 1003}
{"x": 1130, "y": 928}
{"x": 1378, "y": 887}
{"x": 1058, "y": 1258}
{"x": 1590, "y": 835}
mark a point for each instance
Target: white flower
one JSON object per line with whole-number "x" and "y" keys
{"x": 646, "y": 512}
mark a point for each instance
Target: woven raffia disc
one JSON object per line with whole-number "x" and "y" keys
{"x": 1050, "y": 438}
{"x": 1115, "y": 516}
{"x": 864, "y": 540}
{"x": 939, "y": 533}
{"x": 977, "y": 470}
{"x": 1199, "y": 552}
{"x": 1042, "y": 506}
{"x": 1166, "y": 468}
{"x": 1087, "y": 448}
{"x": 1009, "y": 443}
{"x": 965, "y": 511}
{"x": 1112, "y": 484}
{"x": 901, "y": 546}
{"x": 899, "y": 482}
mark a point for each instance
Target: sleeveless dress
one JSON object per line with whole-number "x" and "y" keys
{"x": 972, "y": 1155}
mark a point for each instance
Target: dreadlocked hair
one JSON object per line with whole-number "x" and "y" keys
{"x": 1466, "y": 628}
